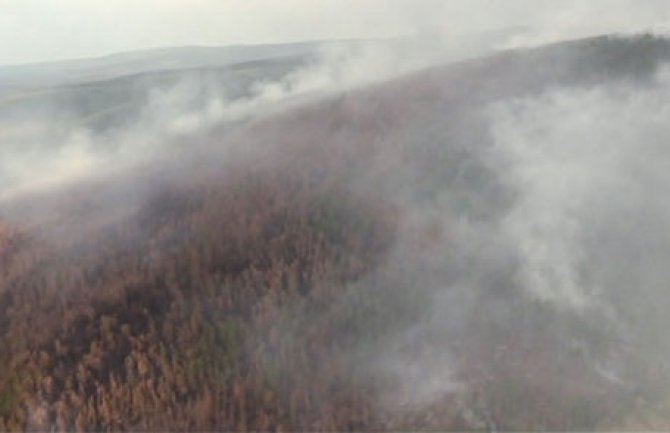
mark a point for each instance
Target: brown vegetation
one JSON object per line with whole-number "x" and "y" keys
{"x": 168, "y": 321}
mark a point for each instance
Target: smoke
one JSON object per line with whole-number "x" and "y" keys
{"x": 589, "y": 224}
{"x": 54, "y": 141}
{"x": 572, "y": 263}
{"x": 530, "y": 256}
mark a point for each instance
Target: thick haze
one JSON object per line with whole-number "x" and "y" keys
{"x": 44, "y": 30}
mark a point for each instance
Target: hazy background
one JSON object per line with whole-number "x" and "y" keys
{"x": 44, "y": 30}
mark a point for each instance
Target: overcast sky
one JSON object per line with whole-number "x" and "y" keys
{"x": 42, "y": 30}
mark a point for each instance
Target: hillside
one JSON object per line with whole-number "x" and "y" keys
{"x": 337, "y": 266}
{"x": 147, "y": 61}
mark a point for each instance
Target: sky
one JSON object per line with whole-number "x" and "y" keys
{"x": 46, "y": 30}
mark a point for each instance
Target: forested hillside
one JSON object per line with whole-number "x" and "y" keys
{"x": 285, "y": 274}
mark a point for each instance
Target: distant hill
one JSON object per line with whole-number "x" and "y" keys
{"x": 67, "y": 72}
{"x": 152, "y": 60}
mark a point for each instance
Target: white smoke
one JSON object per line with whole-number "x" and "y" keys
{"x": 52, "y": 145}
{"x": 592, "y": 170}
{"x": 584, "y": 235}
